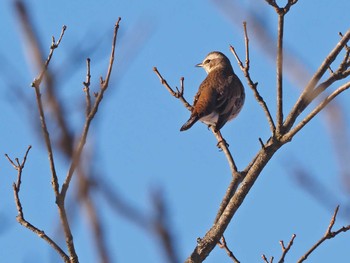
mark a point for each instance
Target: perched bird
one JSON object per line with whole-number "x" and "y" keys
{"x": 221, "y": 95}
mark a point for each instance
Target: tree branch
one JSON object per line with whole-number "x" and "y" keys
{"x": 312, "y": 114}
{"x": 89, "y": 118}
{"x": 36, "y": 85}
{"x": 86, "y": 88}
{"x": 251, "y": 84}
{"x": 179, "y": 94}
{"x": 328, "y": 235}
{"x": 304, "y": 98}
{"x": 222, "y": 244}
{"x": 20, "y": 217}
{"x": 286, "y": 249}
{"x": 64, "y": 220}
{"x": 279, "y": 66}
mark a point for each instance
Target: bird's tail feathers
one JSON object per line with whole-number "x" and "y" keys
{"x": 189, "y": 123}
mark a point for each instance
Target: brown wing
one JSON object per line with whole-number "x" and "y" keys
{"x": 205, "y": 99}
{"x": 230, "y": 99}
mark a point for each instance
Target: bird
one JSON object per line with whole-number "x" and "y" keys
{"x": 220, "y": 96}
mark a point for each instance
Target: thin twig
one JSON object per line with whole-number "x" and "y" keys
{"x": 328, "y": 235}
{"x": 286, "y": 249}
{"x": 87, "y": 88}
{"x": 288, "y": 136}
{"x": 60, "y": 203}
{"x": 224, "y": 147}
{"x": 89, "y": 118}
{"x": 222, "y": 244}
{"x": 20, "y": 217}
{"x": 36, "y": 85}
{"x": 37, "y": 81}
{"x": 266, "y": 260}
{"x": 304, "y": 98}
{"x": 252, "y": 85}
{"x": 279, "y": 66}
{"x": 179, "y": 94}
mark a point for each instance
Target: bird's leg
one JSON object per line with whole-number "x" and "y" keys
{"x": 221, "y": 140}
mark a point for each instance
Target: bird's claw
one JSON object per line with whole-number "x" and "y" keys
{"x": 223, "y": 141}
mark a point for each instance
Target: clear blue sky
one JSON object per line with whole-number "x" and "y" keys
{"x": 136, "y": 141}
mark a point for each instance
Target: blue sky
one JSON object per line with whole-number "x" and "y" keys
{"x": 135, "y": 143}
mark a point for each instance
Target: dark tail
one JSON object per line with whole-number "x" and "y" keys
{"x": 189, "y": 123}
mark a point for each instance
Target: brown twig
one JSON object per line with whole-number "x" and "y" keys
{"x": 281, "y": 12}
{"x": 20, "y": 217}
{"x": 59, "y": 201}
{"x": 266, "y": 260}
{"x": 89, "y": 118}
{"x": 253, "y": 85}
{"x": 328, "y": 235}
{"x": 86, "y": 88}
{"x": 222, "y": 244}
{"x": 279, "y": 66}
{"x": 312, "y": 114}
{"x": 304, "y": 98}
{"x": 36, "y": 85}
{"x": 286, "y": 249}
{"x": 177, "y": 94}
{"x": 224, "y": 147}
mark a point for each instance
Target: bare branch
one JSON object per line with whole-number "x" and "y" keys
{"x": 37, "y": 81}
{"x": 224, "y": 147}
{"x": 328, "y": 235}
{"x": 222, "y": 244}
{"x": 89, "y": 118}
{"x": 304, "y": 99}
{"x": 279, "y": 66}
{"x": 179, "y": 94}
{"x": 36, "y": 85}
{"x": 266, "y": 260}
{"x": 286, "y": 249}
{"x": 20, "y": 217}
{"x": 86, "y": 88}
{"x": 60, "y": 203}
{"x": 252, "y": 85}
{"x": 105, "y": 82}
{"x": 312, "y": 114}
{"x": 279, "y": 9}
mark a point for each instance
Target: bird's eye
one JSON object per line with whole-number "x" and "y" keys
{"x": 206, "y": 61}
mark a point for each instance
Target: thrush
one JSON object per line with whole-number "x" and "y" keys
{"x": 221, "y": 95}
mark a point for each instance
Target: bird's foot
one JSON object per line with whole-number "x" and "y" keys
{"x": 221, "y": 143}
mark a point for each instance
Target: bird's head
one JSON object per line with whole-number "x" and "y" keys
{"x": 215, "y": 60}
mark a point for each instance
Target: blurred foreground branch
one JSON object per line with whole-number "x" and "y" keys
{"x": 60, "y": 194}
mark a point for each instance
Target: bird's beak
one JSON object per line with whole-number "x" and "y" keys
{"x": 199, "y": 65}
